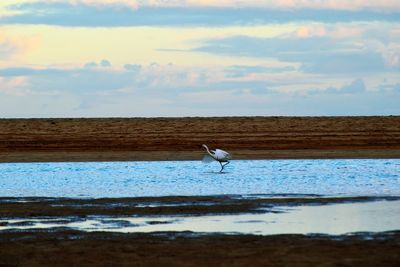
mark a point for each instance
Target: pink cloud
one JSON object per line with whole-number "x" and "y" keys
{"x": 335, "y": 32}
{"x": 128, "y": 3}
{"x": 11, "y": 45}
{"x": 14, "y": 86}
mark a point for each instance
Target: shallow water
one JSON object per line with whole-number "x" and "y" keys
{"x": 130, "y": 179}
{"x": 333, "y": 219}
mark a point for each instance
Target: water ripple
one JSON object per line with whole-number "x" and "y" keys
{"x": 131, "y": 179}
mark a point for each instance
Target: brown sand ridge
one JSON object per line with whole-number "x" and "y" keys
{"x": 180, "y": 138}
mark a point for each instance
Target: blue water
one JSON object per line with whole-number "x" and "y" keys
{"x": 130, "y": 179}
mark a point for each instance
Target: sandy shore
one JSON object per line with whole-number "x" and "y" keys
{"x": 113, "y": 139}
{"x": 63, "y": 156}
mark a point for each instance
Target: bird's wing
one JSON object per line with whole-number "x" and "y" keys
{"x": 221, "y": 154}
{"x": 207, "y": 159}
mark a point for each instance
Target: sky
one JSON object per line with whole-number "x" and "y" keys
{"x": 152, "y": 58}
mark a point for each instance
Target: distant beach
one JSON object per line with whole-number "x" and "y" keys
{"x": 124, "y": 139}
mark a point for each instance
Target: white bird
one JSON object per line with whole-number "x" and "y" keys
{"x": 218, "y": 155}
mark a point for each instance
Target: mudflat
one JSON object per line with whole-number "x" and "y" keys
{"x": 42, "y": 207}
{"x": 74, "y": 248}
{"x": 63, "y": 245}
{"x": 103, "y": 139}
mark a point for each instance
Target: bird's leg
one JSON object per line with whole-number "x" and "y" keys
{"x": 223, "y": 165}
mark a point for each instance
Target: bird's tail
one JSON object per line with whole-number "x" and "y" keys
{"x": 207, "y": 159}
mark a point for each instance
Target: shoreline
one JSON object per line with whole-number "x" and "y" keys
{"x": 199, "y": 205}
{"x": 103, "y": 156}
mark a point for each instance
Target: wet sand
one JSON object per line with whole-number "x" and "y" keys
{"x": 112, "y": 139}
{"x": 61, "y": 246}
{"x": 74, "y": 248}
{"x": 164, "y": 206}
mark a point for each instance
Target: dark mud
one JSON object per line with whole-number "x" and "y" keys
{"x": 60, "y": 247}
{"x": 163, "y": 206}
{"x": 63, "y": 246}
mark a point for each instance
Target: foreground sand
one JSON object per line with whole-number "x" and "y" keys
{"x": 73, "y": 248}
{"x": 61, "y": 246}
{"x": 181, "y": 138}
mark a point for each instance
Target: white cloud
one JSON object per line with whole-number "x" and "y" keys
{"x": 338, "y": 31}
{"x": 6, "y": 49}
{"x": 173, "y": 90}
{"x": 356, "y": 86}
{"x": 127, "y": 3}
{"x": 391, "y": 54}
{"x": 15, "y": 86}
{"x": 11, "y": 44}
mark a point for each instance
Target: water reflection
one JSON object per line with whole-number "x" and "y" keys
{"x": 326, "y": 219}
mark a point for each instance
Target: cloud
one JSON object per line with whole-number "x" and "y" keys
{"x": 319, "y": 49}
{"x": 287, "y": 104}
{"x": 152, "y": 80}
{"x": 357, "y": 86}
{"x": 91, "y": 65}
{"x": 391, "y": 54}
{"x": 215, "y": 104}
{"x": 24, "y": 71}
{"x": 40, "y": 106}
{"x": 238, "y": 71}
{"x": 390, "y": 88}
{"x": 169, "y": 90}
{"x": 11, "y": 45}
{"x": 16, "y": 86}
{"x": 7, "y": 49}
{"x": 133, "y": 67}
{"x": 123, "y": 3}
{"x": 116, "y": 13}
{"x": 396, "y": 87}
{"x": 312, "y": 4}
{"x": 87, "y": 80}
{"x": 169, "y": 80}
{"x": 384, "y": 5}
{"x": 357, "y": 62}
{"x": 105, "y": 63}
{"x": 133, "y": 4}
